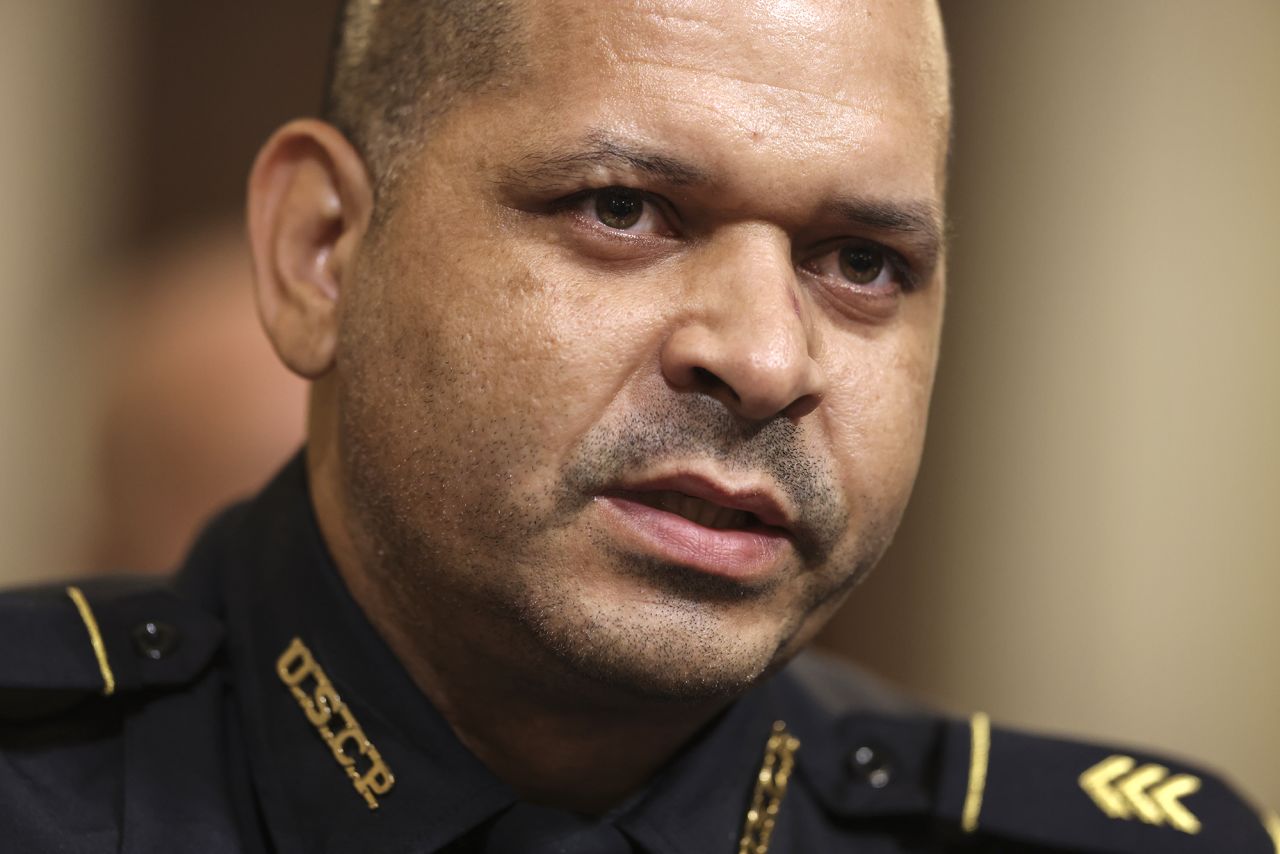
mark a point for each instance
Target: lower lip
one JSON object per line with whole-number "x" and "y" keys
{"x": 749, "y": 556}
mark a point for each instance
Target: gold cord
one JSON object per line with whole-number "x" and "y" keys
{"x": 1272, "y": 823}
{"x": 979, "y": 753}
{"x": 771, "y": 788}
{"x": 95, "y": 639}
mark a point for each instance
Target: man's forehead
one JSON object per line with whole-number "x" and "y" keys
{"x": 798, "y": 69}
{"x": 825, "y": 40}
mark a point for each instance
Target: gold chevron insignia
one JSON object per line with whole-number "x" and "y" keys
{"x": 1145, "y": 792}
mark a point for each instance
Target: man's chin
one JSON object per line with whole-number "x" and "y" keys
{"x": 688, "y": 682}
{"x": 673, "y": 654}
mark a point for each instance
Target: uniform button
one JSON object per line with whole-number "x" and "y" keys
{"x": 155, "y": 640}
{"x": 873, "y": 764}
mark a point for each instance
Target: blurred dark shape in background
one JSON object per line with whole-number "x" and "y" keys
{"x": 211, "y": 81}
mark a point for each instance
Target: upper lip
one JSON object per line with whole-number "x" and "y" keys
{"x": 757, "y": 500}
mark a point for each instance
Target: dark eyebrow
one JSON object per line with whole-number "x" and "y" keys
{"x": 599, "y": 150}
{"x": 920, "y": 222}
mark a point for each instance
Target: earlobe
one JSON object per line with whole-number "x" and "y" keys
{"x": 310, "y": 200}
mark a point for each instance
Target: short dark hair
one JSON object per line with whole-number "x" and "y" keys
{"x": 398, "y": 64}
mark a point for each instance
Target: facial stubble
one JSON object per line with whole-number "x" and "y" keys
{"x": 495, "y": 556}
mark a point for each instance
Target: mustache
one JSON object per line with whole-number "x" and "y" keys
{"x": 697, "y": 426}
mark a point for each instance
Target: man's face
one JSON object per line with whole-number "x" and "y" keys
{"x": 635, "y": 371}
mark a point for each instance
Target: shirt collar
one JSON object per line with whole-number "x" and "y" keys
{"x": 281, "y": 585}
{"x": 699, "y": 802}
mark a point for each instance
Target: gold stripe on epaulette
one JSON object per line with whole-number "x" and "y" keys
{"x": 1272, "y": 822}
{"x": 322, "y": 706}
{"x": 95, "y": 639}
{"x": 979, "y": 756}
{"x": 771, "y": 788}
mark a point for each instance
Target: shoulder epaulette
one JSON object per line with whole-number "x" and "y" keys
{"x": 1003, "y": 789}
{"x": 106, "y": 637}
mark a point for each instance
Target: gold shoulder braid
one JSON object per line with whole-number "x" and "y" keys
{"x": 771, "y": 788}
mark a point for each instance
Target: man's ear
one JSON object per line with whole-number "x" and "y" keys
{"x": 310, "y": 200}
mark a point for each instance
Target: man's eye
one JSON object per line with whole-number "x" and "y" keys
{"x": 866, "y": 265}
{"x": 624, "y": 209}
{"x": 862, "y": 265}
{"x": 620, "y": 209}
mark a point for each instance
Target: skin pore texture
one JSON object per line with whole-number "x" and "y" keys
{"x": 689, "y": 243}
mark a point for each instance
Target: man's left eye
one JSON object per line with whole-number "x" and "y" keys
{"x": 866, "y": 265}
{"x": 623, "y": 209}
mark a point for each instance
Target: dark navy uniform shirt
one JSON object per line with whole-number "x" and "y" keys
{"x": 248, "y": 706}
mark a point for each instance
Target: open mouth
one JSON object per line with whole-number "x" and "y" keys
{"x": 697, "y": 510}
{"x": 741, "y": 535}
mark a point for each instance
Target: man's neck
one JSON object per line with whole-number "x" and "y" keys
{"x": 556, "y": 741}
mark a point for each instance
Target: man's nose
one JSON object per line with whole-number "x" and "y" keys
{"x": 744, "y": 339}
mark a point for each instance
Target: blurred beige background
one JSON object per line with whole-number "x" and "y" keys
{"x": 1094, "y": 542}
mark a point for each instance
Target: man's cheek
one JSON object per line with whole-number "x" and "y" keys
{"x": 875, "y": 448}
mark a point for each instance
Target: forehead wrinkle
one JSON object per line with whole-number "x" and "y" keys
{"x": 826, "y": 39}
{"x": 865, "y": 105}
{"x": 810, "y": 132}
{"x": 814, "y": 108}
{"x": 701, "y": 22}
{"x": 792, "y": 20}
{"x": 701, "y": 41}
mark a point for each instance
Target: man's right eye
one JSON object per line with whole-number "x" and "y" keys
{"x": 620, "y": 209}
{"x": 624, "y": 209}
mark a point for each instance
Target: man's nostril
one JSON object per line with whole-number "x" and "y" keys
{"x": 708, "y": 381}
